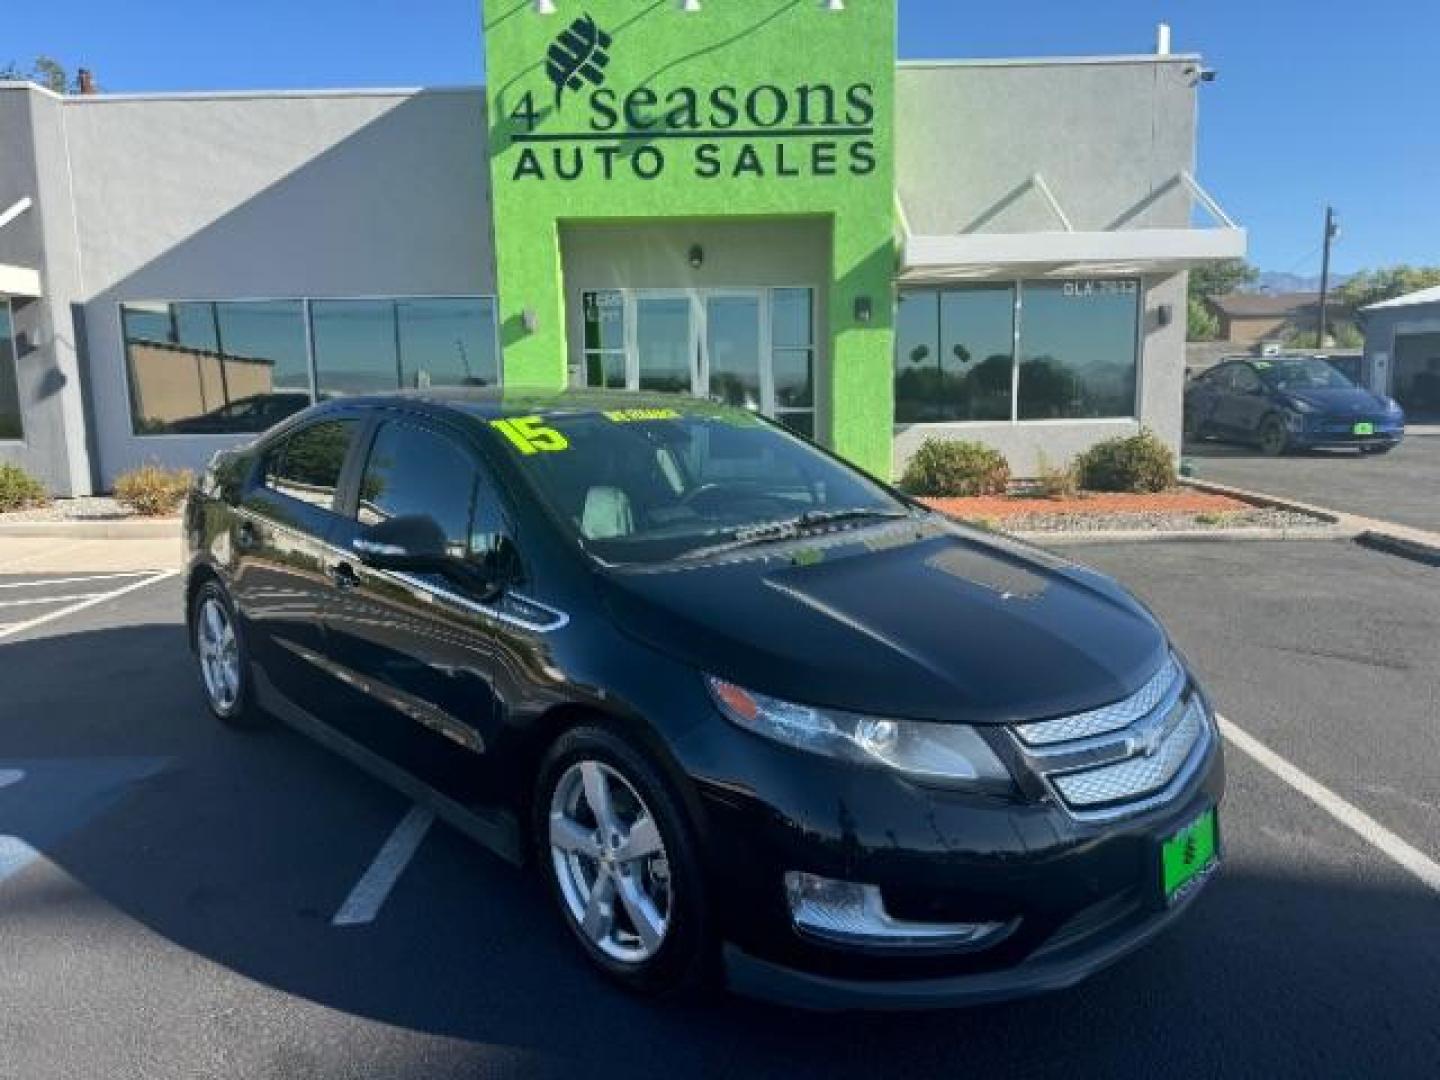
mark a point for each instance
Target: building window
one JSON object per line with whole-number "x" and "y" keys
{"x": 955, "y": 354}
{"x": 11, "y": 426}
{"x": 1079, "y": 342}
{"x": 214, "y": 368}
{"x": 370, "y": 346}
{"x": 236, "y": 367}
{"x": 604, "y": 339}
{"x": 792, "y": 357}
{"x": 1078, "y": 348}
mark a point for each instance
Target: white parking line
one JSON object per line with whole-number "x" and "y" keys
{"x": 32, "y": 600}
{"x": 373, "y": 888}
{"x": 1347, "y": 813}
{"x": 49, "y": 616}
{"x": 44, "y": 581}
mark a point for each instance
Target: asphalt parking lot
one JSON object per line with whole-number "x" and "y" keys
{"x": 169, "y": 889}
{"x": 1401, "y": 486}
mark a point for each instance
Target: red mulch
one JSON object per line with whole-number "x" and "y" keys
{"x": 1181, "y": 501}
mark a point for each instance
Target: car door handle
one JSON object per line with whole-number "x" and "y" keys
{"x": 343, "y": 576}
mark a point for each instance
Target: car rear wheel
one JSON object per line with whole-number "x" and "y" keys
{"x": 1274, "y": 439}
{"x": 620, "y": 860}
{"x": 221, "y": 658}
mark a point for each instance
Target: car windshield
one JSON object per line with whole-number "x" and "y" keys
{"x": 1309, "y": 373}
{"x": 647, "y": 484}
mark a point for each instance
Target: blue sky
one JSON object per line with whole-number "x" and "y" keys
{"x": 1315, "y": 101}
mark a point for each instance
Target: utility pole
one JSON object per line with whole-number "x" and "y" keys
{"x": 1332, "y": 230}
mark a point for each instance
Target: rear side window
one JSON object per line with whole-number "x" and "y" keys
{"x": 412, "y": 470}
{"x": 307, "y": 465}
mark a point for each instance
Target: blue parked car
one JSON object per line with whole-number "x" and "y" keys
{"x": 1285, "y": 403}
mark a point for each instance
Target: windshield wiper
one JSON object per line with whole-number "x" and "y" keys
{"x": 770, "y": 532}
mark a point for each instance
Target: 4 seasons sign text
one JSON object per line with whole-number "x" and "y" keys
{"x": 765, "y": 130}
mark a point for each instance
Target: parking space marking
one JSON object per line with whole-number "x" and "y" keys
{"x": 98, "y": 598}
{"x": 1343, "y": 811}
{"x": 43, "y": 582}
{"x": 373, "y": 888}
{"x": 29, "y": 601}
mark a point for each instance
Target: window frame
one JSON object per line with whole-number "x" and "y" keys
{"x": 310, "y": 368}
{"x": 1142, "y": 291}
{"x": 13, "y": 362}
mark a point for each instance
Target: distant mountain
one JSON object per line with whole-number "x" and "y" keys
{"x": 1274, "y": 281}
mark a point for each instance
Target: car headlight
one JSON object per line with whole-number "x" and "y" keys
{"x": 1393, "y": 407}
{"x": 950, "y": 754}
{"x": 1302, "y": 407}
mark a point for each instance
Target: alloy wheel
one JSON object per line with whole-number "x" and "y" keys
{"x": 610, "y": 862}
{"x": 219, "y": 654}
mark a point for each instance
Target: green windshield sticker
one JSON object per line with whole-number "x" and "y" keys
{"x": 1261, "y": 364}
{"x": 635, "y": 416}
{"x": 531, "y": 435}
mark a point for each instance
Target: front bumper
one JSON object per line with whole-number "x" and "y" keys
{"x": 1319, "y": 432}
{"x": 1083, "y": 894}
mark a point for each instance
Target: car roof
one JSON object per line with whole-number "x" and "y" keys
{"x": 489, "y": 402}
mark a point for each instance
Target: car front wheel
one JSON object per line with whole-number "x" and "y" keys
{"x": 619, "y": 858}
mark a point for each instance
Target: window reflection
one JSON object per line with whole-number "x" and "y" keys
{"x": 1079, "y": 341}
{"x": 11, "y": 426}
{"x": 412, "y": 471}
{"x": 1078, "y": 344}
{"x": 203, "y": 368}
{"x": 307, "y": 465}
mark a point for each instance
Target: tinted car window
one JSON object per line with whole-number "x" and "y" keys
{"x": 307, "y": 465}
{"x": 1244, "y": 380}
{"x": 412, "y": 470}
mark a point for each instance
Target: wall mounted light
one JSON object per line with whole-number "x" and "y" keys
{"x": 529, "y": 320}
{"x": 833, "y": 5}
{"x": 863, "y": 309}
{"x": 1164, "y": 314}
{"x": 690, "y": 5}
{"x": 697, "y": 256}
{"x": 544, "y": 7}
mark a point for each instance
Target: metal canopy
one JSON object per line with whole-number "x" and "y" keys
{"x": 1068, "y": 252}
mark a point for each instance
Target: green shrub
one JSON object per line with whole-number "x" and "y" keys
{"x": 945, "y": 467}
{"x": 1129, "y": 463}
{"x": 19, "y": 490}
{"x": 1055, "y": 481}
{"x": 152, "y": 490}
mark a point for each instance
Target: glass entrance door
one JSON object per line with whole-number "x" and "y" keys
{"x": 752, "y": 348}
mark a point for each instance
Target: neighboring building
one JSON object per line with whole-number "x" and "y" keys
{"x": 766, "y": 209}
{"x": 1252, "y": 318}
{"x": 1402, "y": 351}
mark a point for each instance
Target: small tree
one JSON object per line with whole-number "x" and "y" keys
{"x": 1201, "y": 323}
{"x": 43, "y": 71}
{"x": 1219, "y": 278}
{"x": 1386, "y": 283}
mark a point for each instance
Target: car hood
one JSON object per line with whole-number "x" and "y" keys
{"x": 931, "y": 623}
{"x": 1348, "y": 401}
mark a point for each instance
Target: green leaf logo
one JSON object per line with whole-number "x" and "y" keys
{"x": 578, "y": 56}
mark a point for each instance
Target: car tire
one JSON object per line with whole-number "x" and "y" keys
{"x": 1274, "y": 439}
{"x": 221, "y": 659}
{"x": 673, "y": 956}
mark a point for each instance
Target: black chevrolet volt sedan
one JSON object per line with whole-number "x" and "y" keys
{"x": 753, "y": 715}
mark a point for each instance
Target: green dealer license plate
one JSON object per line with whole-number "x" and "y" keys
{"x": 1364, "y": 429}
{"x": 1188, "y": 855}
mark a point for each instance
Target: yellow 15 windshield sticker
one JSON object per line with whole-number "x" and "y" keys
{"x": 531, "y": 435}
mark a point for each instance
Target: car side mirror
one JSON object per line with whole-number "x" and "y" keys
{"x": 409, "y": 542}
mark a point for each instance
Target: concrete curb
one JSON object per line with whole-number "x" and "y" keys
{"x": 1141, "y": 536}
{"x": 1405, "y": 541}
{"x": 142, "y": 528}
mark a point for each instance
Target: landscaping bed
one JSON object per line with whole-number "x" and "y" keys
{"x": 84, "y": 508}
{"x": 1179, "y": 509}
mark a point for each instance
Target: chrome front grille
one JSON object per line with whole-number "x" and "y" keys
{"x": 1126, "y": 756}
{"x": 1108, "y": 718}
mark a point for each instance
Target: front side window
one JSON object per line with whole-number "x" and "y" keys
{"x": 206, "y": 368}
{"x": 1078, "y": 351}
{"x": 10, "y": 423}
{"x": 415, "y": 471}
{"x": 648, "y": 484}
{"x": 307, "y": 465}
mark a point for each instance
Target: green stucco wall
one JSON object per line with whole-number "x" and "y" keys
{"x": 747, "y": 108}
